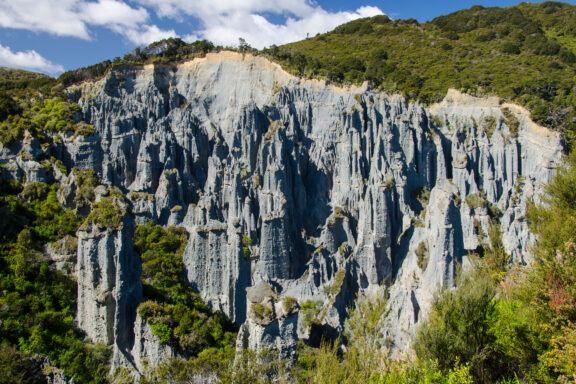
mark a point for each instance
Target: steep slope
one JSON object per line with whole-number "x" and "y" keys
{"x": 524, "y": 53}
{"x": 304, "y": 190}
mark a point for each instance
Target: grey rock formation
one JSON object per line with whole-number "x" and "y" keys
{"x": 271, "y": 323}
{"x": 109, "y": 288}
{"x": 327, "y": 188}
{"x": 45, "y": 370}
{"x": 148, "y": 349}
{"x": 63, "y": 254}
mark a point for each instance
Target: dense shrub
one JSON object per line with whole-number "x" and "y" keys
{"x": 177, "y": 315}
{"x": 38, "y": 302}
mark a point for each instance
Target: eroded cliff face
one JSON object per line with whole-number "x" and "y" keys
{"x": 312, "y": 191}
{"x": 109, "y": 288}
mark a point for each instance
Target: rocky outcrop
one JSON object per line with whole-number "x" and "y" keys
{"x": 109, "y": 288}
{"x": 62, "y": 254}
{"x": 148, "y": 350}
{"x": 271, "y": 323}
{"x": 45, "y": 371}
{"x": 315, "y": 191}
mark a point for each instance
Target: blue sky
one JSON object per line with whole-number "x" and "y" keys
{"x": 51, "y": 36}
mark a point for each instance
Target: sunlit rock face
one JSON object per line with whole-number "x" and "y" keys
{"x": 313, "y": 191}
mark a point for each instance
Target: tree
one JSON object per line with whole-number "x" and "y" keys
{"x": 243, "y": 45}
{"x": 458, "y": 330}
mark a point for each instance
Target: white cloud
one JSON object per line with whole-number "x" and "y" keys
{"x": 225, "y": 21}
{"x": 112, "y": 12}
{"x": 148, "y": 34}
{"x": 222, "y": 21}
{"x": 204, "y": 8}
{"x": 75, "y": 17}
{"x": 30, "y": 60}
{"x": 59, "y": 17}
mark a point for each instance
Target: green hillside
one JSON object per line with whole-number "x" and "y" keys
{"x": 524, "y": 53}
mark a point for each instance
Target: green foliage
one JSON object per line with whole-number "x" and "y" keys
{"x": 562, "y": 357}
{"x": 422, "y": 255}
{"x": 489, "y": 125}
{"x": 515, "y": 325}
{"x": 338, "y": 281}
{"x": 289, "y": 304}
{"x": 366, "y": 356}
{"x": 476, "y": 200}
{"x": 424, "y": 372}
{"x": 176, "y": 314}
{"x": 545, "y": 298}
{"x": 163, "y": 331}
{"x": 511, "y": 121}
{"x": 553, "y": 221}
{"x": 422, "y": 196}
{"x": 108, "y": 213}
{"x": 41, "y": 112}
{"x": 222, "y": 366}
{"x": 17, "y": 368}
{"x": 458, "y": 329}
{"x": 86, "y": 181}
{"x": 171, "y": 49}
{"x": 212, "y": 362}
{"x": 264, "y": 367}
{"x": 495, "y": 258}
{"x": 8, "y": 106}
{"x": 261, "y": 311}
{"x": 482, "y": 51}
{"x": 37, "y": 209}
{"x": 310, "y": 310}
{"x": 247, "y": 242}
{"x": 18, "y": 82}
{"x": 38, "y": 303}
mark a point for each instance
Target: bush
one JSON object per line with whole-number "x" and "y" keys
{"x": 458, "y": 330}
{"x": 422, "y": 255}
{"x": 174, "y": 311}
{"x": 16, "y": 368}
{"x": 7, "y": 106}
{"x": 262, "y": 312}
{"x": 38, "y": 302}
{"x": 107, "y": 213}
{"x": 86, "y": 181}
{"x": 289, "y": 304}
{"x": 476, "y": 200}
{"x": 163, "y": 332}
{"x": 510, "y": 48}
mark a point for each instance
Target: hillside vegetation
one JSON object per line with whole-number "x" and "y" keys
{"x": 525, "y": 53}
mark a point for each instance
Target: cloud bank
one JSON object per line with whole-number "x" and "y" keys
{"x": 224, "y": 21}
{"x": 260, "y": 22}
{"x": 74, "y": 18}
{"x": 30, "y": 60}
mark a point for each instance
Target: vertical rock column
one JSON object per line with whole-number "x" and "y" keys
{"x": 109, "y": 287}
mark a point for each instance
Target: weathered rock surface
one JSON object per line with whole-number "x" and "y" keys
{"x": 337, "y": 190}
{"x": 271, "y": 322}
{"x": 109, "y": 288}
{"x": 45, "y": 370}
{"x": 148, "y": 349}
{"x": 63, "y": 254}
